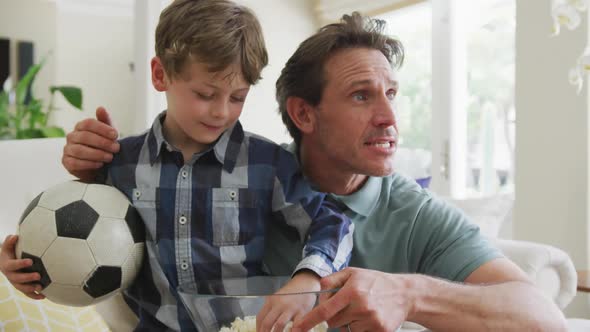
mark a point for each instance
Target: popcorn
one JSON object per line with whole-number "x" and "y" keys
{"x": 248, "y": 324}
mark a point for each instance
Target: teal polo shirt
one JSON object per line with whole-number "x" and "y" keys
{"x": 399, "y": 228}
{"x": 402, "y": 228}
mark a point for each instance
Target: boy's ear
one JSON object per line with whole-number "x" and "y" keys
{"x": 302, "y": 114}
{"x": 159, "y": 79}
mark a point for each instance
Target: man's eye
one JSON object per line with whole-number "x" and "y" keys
{"x": 360, "y": 97}
{"x": 391, "y": 95}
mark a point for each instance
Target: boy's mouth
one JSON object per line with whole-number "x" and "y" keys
{"x": 211, "y": 127}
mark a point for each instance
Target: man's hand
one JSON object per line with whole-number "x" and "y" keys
{"x": 367, "y": 301}
{"x": 10, "y": 266}
{"x": 279, "y": 310}
{"x": 90, "y": 145}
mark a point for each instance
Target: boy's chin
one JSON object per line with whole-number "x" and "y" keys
{"x": 205, "y": 141}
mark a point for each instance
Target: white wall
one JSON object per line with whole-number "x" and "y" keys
{"x": 16, "y": 23}
{"x": 551, "y": 137}
{"x": 148, "y": 102}
{"x": 94, "y": 47}
{"x": 91, "y": 45}
{"x": 21, "y": 181}
{"x": 285, "y": 24}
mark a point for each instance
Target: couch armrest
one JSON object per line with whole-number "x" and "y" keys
{"x": 550, "y": 268}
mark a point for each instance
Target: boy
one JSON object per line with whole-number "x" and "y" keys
{"x": 207, "y": 190}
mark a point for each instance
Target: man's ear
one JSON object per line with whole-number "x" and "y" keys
{"x": 159, "y": 79}
{"x": 302, "y": 114}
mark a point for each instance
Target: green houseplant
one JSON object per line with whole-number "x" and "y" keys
{"x": 22, "y": 118}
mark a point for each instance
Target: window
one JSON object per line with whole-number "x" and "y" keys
{"x": 471, "y": 143}
{"x": 412, "y": 26}
{"x": 490, "y": 112}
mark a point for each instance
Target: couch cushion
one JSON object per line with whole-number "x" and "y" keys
{"x": 20, "y": 313}
{"x": 489, "y": 213}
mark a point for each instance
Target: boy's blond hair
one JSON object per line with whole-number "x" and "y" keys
{"x": 217, "y": 33}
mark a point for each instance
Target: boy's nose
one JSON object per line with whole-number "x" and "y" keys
{"x": 220, "y": 110}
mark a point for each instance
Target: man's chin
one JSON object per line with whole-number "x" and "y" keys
{"x": 379, "y": 171}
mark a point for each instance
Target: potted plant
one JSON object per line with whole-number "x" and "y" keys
{"x": 23, "y": 117}
{"x": 29, "y": 164}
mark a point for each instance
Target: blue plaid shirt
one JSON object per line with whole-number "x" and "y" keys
{"x": 206, "y": 218}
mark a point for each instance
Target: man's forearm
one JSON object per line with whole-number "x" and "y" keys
{"x": 511, "y": 306}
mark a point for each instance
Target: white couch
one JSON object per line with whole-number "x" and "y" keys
{"x": 550, "y": 268}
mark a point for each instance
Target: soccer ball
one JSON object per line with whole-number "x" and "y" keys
{"x": 85, "y": 240}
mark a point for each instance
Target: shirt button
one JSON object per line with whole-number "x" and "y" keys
{"x": 232, "y": 195}
{"x": 184, "y": 174}
{"x": 182, "y": 220}
{"x": 184, "y": 266}
{"x": 136, "y": 193}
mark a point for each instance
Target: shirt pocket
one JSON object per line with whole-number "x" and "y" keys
{"x": 146, "y": 201}
{"x": 146, "y": 197}
{"x": 227, "y": 205}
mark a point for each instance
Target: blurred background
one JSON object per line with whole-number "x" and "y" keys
{"x": 485, "y": 108}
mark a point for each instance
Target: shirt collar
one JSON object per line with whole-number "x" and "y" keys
{"x": 226, "y": 149}
{"x": 156, "y": 141}
{"x": 362, "y": 201}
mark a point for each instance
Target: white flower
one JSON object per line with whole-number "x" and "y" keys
{"x": 566, "y": 15}
{"x": 556, "y": 28}
{"x": 584, "y": 60}
{"x": 580, "y": 5}
{"x": 575, "y": 78}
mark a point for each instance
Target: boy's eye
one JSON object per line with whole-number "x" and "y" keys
{"x": 204, "y": 96}
{"x": 237, "y": 99}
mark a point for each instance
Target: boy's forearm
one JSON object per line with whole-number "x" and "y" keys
{"x": 511, "y": 306}
{"x": 330, "y": 240}
{"x": 308, "y": 278}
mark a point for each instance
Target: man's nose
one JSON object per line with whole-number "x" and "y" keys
{"x": 384, "y": 113}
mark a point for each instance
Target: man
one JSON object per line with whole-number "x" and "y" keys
{"x": 336, "y": 98}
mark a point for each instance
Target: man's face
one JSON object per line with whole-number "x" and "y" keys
{"x": 356, "y": 127}
{"x": 202, "y": 105}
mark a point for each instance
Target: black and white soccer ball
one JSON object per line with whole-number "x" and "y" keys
{"x": 86, "y": 241}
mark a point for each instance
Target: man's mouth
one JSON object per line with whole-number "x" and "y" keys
{"x": 382, "y": 144}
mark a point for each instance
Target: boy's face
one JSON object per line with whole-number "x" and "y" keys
{"x": 201, "y": 104}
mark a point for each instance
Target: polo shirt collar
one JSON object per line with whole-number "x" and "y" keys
{"x": 364, "y": 200}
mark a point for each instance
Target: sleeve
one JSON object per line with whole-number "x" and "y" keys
{"x": 445, "y": 244}
{"x": 327, "y": 232}
{"x": 102, "y": 175}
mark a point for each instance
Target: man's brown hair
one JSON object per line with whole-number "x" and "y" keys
{"x": 303, "y": 75}
{"x": 217, "y": 33}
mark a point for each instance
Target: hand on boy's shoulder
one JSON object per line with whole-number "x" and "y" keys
{"x": 90, "y": 145}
